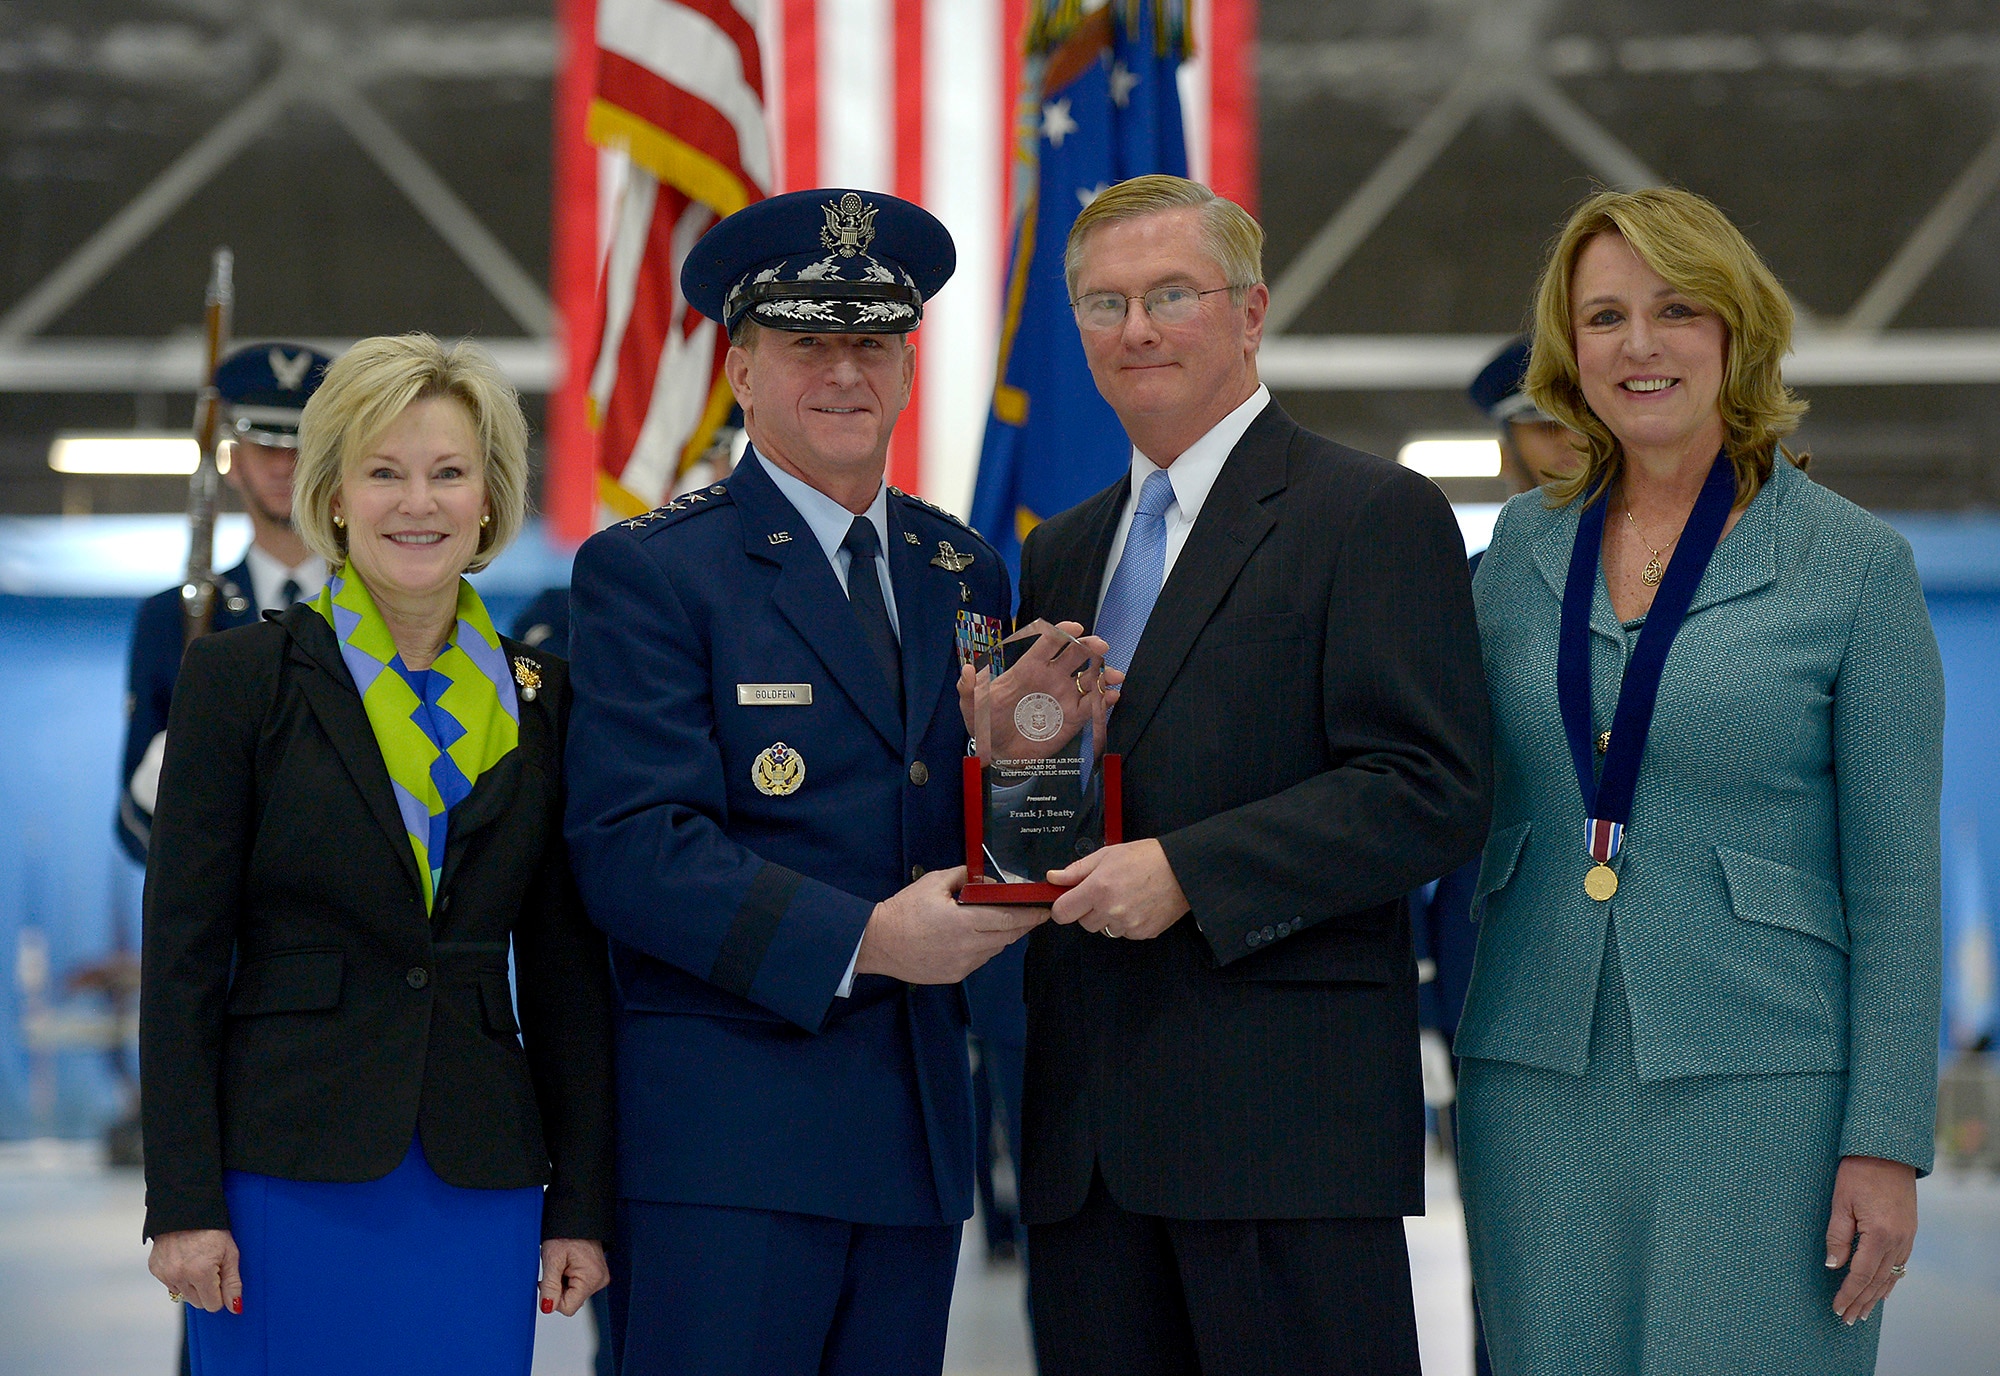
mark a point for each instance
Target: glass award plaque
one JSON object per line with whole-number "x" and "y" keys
{"x": 1038, "y": 792}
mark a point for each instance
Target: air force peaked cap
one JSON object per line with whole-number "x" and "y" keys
{"x": 266, "y": 386}
{"x": 826, "y": 260}
{"x": 1498, "y": 389}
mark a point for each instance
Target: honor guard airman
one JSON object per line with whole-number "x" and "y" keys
{"x": 263, "y": 388}
{"x": 765, "y": 816}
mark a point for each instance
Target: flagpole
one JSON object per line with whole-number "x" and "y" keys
{"x": 570, "y": 473}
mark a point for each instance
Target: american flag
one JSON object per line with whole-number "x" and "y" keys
{"x": 917, "y": 98}
{"x": 680, "y": 92}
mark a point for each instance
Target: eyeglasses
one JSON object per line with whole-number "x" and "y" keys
{"x": 1106, "y": 310}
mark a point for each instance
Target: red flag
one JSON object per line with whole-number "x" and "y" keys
{"x": 680, "y": 91}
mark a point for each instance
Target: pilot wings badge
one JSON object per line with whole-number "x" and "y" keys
{"x": 949, "y": 559}
{"x": 849, "y": 227}
{"x": 778, "y": 770}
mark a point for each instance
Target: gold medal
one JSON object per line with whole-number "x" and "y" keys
{"x": 1601, "y": 882}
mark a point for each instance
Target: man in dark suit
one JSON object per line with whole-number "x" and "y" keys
{"x": 1223, "y": 1113}
{"x": 764, "y": 814}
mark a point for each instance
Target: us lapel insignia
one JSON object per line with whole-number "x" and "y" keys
{"x": 778, "y": 770}
{"x": 949, "y": 559}
{"x": 780, "y": 537}
{"x": 910, "y": 537}
{"x": 528, "y": 677}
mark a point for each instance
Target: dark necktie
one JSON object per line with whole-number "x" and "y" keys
{"x": 289, "y": 593}
{"x": 864, "y": 593}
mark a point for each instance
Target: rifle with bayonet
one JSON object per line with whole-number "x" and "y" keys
{"x": 205, "y": 485}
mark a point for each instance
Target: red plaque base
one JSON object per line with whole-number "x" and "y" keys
{"x": 979, "y": 889}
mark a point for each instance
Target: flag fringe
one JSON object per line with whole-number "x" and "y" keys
{"x": 1051, "y": 22}
{"x": 675, "y": 163}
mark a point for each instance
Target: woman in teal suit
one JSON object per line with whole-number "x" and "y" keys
{"x": 1699, "y": 1049}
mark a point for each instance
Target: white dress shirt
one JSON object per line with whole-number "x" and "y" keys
{"x": 267, "y": 577}
{"x": 830, "y": 522}
{"x": 1192, "y": 475}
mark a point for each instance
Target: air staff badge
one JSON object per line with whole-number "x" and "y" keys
{"x": 778, "y": 771}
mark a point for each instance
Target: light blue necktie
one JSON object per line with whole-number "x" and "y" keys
{"x": 1135, "y": 584}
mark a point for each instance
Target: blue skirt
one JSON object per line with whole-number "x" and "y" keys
{"x": 405, "y": 1274}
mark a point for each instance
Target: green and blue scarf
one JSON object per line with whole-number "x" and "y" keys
{"x": 439, "y": 728}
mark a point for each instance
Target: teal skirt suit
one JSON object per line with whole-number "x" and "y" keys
{"x": 1657, "y": 1090}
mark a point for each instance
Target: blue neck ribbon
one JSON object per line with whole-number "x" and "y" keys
{"x": 1609, "y": 799}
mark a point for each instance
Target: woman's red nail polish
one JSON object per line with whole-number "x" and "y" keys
{"x": 236, "y": 1305}
{"x": 548, "y": 1306}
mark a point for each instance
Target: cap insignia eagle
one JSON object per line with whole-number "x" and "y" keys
{"x": 849, "y": 227}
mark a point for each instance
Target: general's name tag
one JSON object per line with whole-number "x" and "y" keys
{"x": 774, "y": 694}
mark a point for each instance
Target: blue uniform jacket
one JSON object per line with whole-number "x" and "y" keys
{"x": 743, "y": 1080}
{"x": 157, "y": 641}
{"x": 1778, "y": 898}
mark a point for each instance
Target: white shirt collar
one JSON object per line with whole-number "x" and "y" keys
{"x": 830, "y": 520}
{"x": 267, "y": 577}
{"x": 1196, "y": 470}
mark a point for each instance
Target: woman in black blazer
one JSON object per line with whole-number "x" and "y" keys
{"x": 352, "y": 1146}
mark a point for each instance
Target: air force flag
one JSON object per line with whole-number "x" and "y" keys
{"x": 1098, "y": 104}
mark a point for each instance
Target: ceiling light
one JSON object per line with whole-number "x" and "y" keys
{"x": 125, "y": 452}
{"x": 1452, "y": 456}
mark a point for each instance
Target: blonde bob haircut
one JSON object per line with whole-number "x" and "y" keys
{"x": 1235, "y": 241}
{"x": 366, "y": 390}
{"x": 1691, "y": 244}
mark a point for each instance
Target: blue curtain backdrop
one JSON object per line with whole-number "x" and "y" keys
{"x": 1099, "y": 104}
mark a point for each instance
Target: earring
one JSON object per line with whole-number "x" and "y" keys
{"x": 487, "y": 519}
{"x": 340, "y": 521}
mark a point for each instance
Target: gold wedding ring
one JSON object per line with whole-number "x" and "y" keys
{"x": 1899, "y": 1270}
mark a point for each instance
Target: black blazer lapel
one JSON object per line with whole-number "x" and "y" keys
{"x": 494, "y": 794}
{"x": 329, "y": 689}
{"x": 810, "y": 597}
{"x": 1232, "y": 524}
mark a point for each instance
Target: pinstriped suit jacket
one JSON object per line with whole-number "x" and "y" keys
{"x": 1778, "y": 904}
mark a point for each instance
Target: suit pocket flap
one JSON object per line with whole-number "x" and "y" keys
{"x": 1497, "y": 863}
{"x": 1777, "y": 895}
{"x": 498, "y": 1004}
{"x": 289, "y": 982}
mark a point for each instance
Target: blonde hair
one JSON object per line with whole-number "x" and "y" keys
{"x": 1235, "y": 240}
{"x": 366, "y": 390}
{"x": 1690, "y": 243}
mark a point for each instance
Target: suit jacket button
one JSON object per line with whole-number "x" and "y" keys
{"x": 418, "y": 977}
{"x": 1284, "y": 929}
{"x": 920, "y": 773}
{"x": 1249, "y": 938}
{"x": 916, "y": 873}
{"x": 1269, "y": 934}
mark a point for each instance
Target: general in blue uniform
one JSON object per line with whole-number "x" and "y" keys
{"x": 264, "y": 388}
{"x": 764, "y": 767}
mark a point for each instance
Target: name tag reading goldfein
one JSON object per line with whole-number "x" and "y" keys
{"x": 774, "y": 694}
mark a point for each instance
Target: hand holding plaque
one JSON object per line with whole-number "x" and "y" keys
{"x": 1038, "y": 790}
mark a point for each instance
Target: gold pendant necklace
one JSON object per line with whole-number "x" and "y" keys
{"x": 1654, "y": 570}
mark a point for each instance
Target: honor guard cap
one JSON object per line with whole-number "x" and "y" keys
{"x": 829, "y": 261}
{"x": 1497, "y": 389}
{"x": 265, "y": 387}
